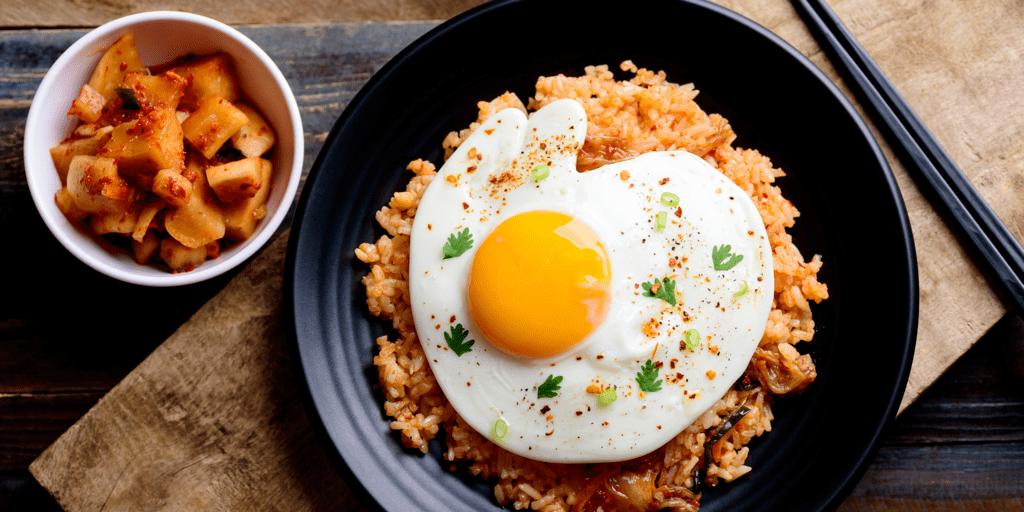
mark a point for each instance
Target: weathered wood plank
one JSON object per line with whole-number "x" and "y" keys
{"x": 980, "y": 400}
{"x": 28, "y": 424}
{"x": 875, "y": 504}
{"x": 960, "y": 472}
{"x": 90, "y": 13}
{"x": 31, "y": 422}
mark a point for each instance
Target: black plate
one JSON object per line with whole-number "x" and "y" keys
{"x": 776, "y": 100}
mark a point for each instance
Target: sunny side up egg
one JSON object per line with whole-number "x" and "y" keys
{"x": 584, "y": 317}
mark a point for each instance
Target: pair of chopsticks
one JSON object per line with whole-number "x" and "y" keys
{"x": 1001, "y": 257}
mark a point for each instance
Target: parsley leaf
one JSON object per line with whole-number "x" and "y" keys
{"x": 665, "y": 290}
{"x": 550, "y": 387}
{"x": 645, "y": 378}
{"x": 722, "y": 259}
{"x": 456, "y": 340}
{"x": 457, "y": 245}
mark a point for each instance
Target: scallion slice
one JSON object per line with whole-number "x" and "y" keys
{"x": 606, "y": 397}
{"x": 540, "y": 172}
{"x": 499, "y": 429}
{"x": 692, "y": 339}
{"x": 669, "y": 199}
{"x": 743, "y": 290}
{"x": 662, "y": 221}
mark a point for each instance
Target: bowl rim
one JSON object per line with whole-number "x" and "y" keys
{"x": 377, "y": 494}
{"x": 52, "y": 216}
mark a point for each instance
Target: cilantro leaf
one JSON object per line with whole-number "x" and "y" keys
{"x": 722, "y": 259}
{"x": 457, "y": 245}
{"x": 456, "y": 341}
{"x": 550, "y": 387}
{"x": 645, "y": 378}
{"x": 665, "y": 290}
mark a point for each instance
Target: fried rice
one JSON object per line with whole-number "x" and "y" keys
{"x": 625, "y": 119}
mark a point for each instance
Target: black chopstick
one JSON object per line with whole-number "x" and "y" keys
{"x": 1002, "y": 258}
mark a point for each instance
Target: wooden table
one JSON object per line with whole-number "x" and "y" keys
{"x": 960, "y": 446}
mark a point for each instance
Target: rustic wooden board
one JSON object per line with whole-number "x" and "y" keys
{"x": 171, "y": 406}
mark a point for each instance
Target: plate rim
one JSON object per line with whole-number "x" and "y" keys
{"x": 303, "y": 375}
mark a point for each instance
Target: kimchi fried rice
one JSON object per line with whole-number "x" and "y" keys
{"x": 625, "y": 119}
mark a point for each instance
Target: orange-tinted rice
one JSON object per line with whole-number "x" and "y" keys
{"x": 625, "y": 119}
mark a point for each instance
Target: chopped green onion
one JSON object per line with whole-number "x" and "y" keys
{"x": 743, "y": 290}
{"x": 606, "y": 397}
{"x": 692, "y": 339}
{"x": 662, "y": 221}
{"x": 669, "y": 199}
{"x": 540, "y": 172}
{"x": 499, "y": 429}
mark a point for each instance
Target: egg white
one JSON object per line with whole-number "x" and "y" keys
{"x": 488, "y": 180}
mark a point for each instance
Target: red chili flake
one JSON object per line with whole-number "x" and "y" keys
{"x": 663, "y": 181}
{"x": 545, "y": 409}
{"x": 452, "y": 319}
{"x": 679, "y": 212}
{"x": 471, "y": 169}
{"x": 579, "y": 413}
{"x": 465, "y": 206}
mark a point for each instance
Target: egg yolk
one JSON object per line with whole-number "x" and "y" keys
{"x": 539, "y": 284}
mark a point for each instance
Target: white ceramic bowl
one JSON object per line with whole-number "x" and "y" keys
{"x": 160, "y": 37}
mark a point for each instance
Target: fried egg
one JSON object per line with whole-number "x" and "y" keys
{"x": 584, "y": 317}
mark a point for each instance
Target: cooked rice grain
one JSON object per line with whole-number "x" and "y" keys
{"x": 625, "y": 119}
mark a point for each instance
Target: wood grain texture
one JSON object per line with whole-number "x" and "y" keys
{"x": 196, "y": 461}
{"x": 91, "y": 13}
